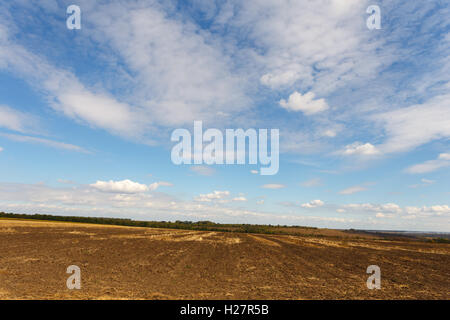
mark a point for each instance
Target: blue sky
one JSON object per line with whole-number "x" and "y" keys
{"x": 364, "y": 115}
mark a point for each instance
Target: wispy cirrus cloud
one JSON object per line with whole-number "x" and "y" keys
{"x": 413, "y": 126}
{"x": 352, "y": 190}
{"x": 442, "y": 161}
{"x": 44, "y": 141}
{"x": 425, "y": 183}
{"x": 273, "y": 186}
{"x": 16, "y": 120}
{"x": 66, "y": 93}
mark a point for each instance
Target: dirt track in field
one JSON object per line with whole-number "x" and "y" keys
{"x": 144, "y": 263}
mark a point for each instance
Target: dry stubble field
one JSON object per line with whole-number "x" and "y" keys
{"x": 143, "y": 263}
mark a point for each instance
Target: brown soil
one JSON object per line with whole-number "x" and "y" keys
{"x": 143, "y": 263}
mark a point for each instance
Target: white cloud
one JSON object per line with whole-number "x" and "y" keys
{"x": 254, "y": 171}
{"x": 16, "y": 120}
{"x": 260, "y": 201}
{"x": 81, "y": 200}
{"x": 177, "y": 71}
{"x": 124, "y": 186}
{"x": 156, "y": 185}
{"x": 127, "y": 186}
{"x": 213, "y": 196}
{"x": 318, "y": 44}
{"x": 313, "y": 204}
{"x": 410, "y": 127}
{"x": 273, "y": 186}
{"x": 442, "y": 161}
{"x": 1, "y": 149}
{"x": 47, "y": 142}
{"x": 329, "y": 133}
{"x": 304, "y": 103}
{"x": 243, "y": 199}
{"x": 181, "y": 72}
{"x": 357, "y": 148}
{"x": 381, "y": 210}
{"x": 353, "y": 190}
{"x": 67, "y": 94}
{"x": 99, "y": 110}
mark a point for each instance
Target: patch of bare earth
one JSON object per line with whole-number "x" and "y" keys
{"x": 143, "y": 263}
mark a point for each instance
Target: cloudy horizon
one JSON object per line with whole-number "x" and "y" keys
{"x": 86, "y": 114}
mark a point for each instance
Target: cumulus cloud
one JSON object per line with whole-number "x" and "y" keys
{"x": 358, "y": 148}
{"x": 219, "y": 197}
{"x": 391, "y": 210}
{"x": 304, "y": 103}
{"x": 382, "y": 208}
{"x": 80, "y": 200}
{"x": 313, "y": 204}
{"x": 273, "y": 186}
{"x": 213, "y": 196}
{"x": 435, "y": 210}
{"x": 124, "y": 186}
{"x": 442, "y": 161}
{"x": 156, "y": 185}
{"x": 291, "y": 57}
